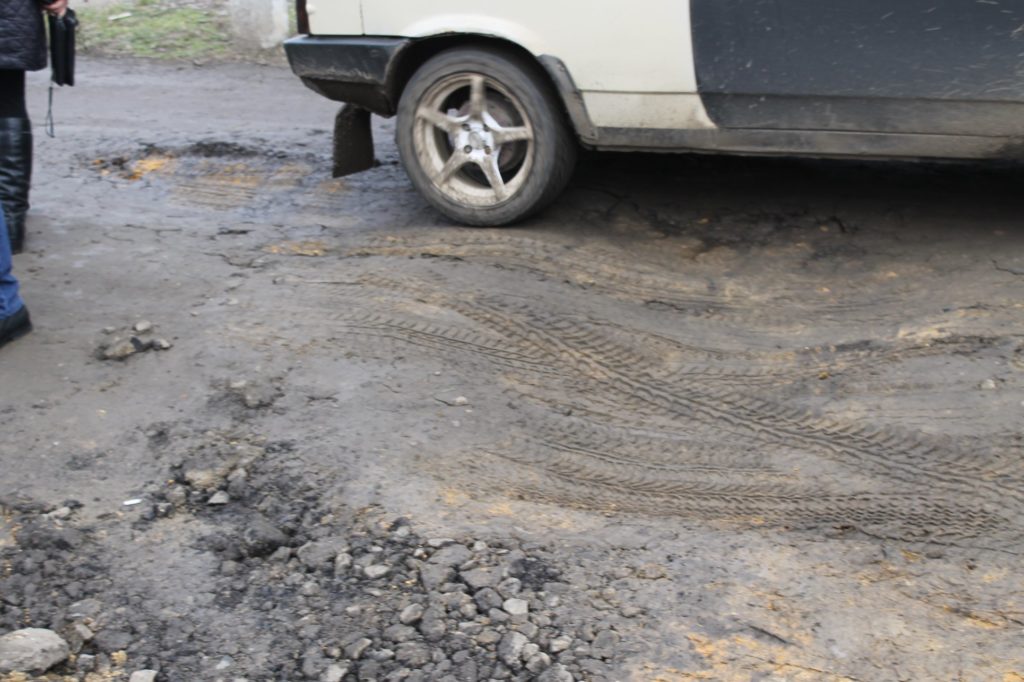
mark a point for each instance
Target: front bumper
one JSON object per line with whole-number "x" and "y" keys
{"x": 359, "y": 70}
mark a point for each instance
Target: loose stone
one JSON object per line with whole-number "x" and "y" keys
{"x": 556, "y": 673}
{"x": 516, "y": 607}
{"x": 356, "y": 649}
{"x": 487, "y": 599}
{"x": 411, "y": 614}
{"x": 479, "y": 578}
{"x": 143, "y": 676}
{"x": 560, "y": 643}
{"x": 31, "y": 650}
{"x": 538, "y": 662}
{"x": 322, "y": 552}
{"x": 376, "y": 571}
{"x": 334, "y": 673}
{"x": 510, "y": 648}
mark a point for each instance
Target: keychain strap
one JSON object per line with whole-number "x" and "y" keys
{"x": 50, "y": 130}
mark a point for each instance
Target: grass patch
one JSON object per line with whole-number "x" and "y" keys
{"x": 154, "y": 30}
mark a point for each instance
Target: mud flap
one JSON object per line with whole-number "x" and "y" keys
{"x": 353, "y": 141}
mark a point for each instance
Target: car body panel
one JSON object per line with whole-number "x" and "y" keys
{"x": 335, "y": 17}
{"x": 589, "y": 40}
{"x": 647, "y": 110}
{"x": 866, "y": 78}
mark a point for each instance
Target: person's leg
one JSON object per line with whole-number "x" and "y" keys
{"x": 15, "y": 155}
{"x": 12, "y": 94}
{"x": 10, "y": 298}
{"x": 14, "y": 319}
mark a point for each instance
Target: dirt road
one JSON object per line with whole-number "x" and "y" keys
{"x": 722, "y": 419}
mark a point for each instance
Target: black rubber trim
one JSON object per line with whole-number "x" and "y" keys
{"x": 866, "y": 114}
{"x": 572, "y": 99}
{"x": 353, "y": 141}
{"x": 812, "y": 143}
{"x": 355, "y": 69}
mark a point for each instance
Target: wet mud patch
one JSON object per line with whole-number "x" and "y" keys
{"x": 705, "y": 226}
{"x": 150, "y": 158}
{"x": 220, "y": 149}
{"x": 216, "y": 174}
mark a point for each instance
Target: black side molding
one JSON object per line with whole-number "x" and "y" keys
{"x": 571, "y": 98}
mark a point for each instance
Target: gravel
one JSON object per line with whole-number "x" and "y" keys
{"x": 120, "y": 344}
{"x": 344, "y": 595}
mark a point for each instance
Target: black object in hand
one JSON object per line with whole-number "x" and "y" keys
{"x": 62, "y": 48}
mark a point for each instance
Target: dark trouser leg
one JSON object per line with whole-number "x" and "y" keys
{"x": 15, "y": 155}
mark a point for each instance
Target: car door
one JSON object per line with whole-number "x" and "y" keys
{"x": 890, "y": 66}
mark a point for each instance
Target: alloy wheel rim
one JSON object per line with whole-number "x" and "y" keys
{"x": 473, "y": 139}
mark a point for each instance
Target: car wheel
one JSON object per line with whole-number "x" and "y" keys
{"x": 482, "y": 137}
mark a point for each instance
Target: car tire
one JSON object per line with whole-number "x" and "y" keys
{"x": 483, "y": 138}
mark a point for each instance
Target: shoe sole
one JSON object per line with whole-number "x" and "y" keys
{"x": 17, "y": 334}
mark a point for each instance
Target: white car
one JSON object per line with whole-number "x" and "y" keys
{"x": 494, "y": 99}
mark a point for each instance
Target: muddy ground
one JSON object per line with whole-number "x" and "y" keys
{"x": 703, "y": 419}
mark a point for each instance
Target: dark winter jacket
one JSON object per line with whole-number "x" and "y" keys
{"x": 22, "y": 38}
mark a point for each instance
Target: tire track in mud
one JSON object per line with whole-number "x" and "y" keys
{"x": 677, "y": 360}
{"x": 638, "y": 422}
{"x": 541, "y": 475}
{"x": 888, "y": 451}
{"x": 657, "y": 286}
{"x": 437, "y": 338}
{"x": 588, "y": 267}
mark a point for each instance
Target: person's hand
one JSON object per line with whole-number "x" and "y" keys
{"x": 57, "y": 7}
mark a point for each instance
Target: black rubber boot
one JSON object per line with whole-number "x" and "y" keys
{"x": 15, "y": 176}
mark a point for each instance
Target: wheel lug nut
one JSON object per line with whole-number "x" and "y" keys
{"x": 487, "y": 150}
{"x": 486, "y": 129}
{"x": 465, "y": 126}
{"x": 467, "y": 149}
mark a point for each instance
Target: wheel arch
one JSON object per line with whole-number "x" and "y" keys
{"x": 550, "y": 71}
